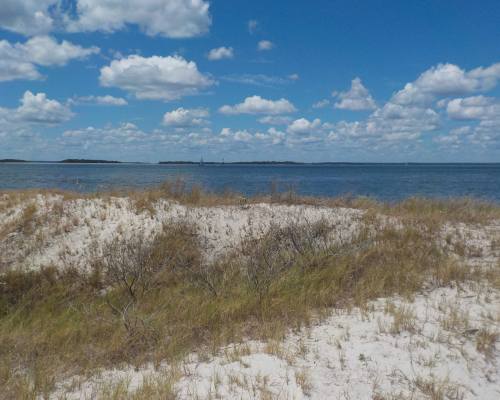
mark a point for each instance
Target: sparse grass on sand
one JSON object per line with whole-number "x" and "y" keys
{"x": 154, "y": 298}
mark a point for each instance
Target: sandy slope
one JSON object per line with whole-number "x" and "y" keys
{"x": 350, "y": 355}
{"x": 66, "y": 237}
{"x": 406, "y": 350}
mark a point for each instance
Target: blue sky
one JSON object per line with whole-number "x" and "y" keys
{"x": 326, "y": 80}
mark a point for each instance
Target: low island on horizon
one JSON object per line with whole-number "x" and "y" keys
{"x": 254, "y": 162}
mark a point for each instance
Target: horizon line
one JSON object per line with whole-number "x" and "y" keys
{"x": 289, "y": 162}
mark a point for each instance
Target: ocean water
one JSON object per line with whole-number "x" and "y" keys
{"x": 381, "y": 181}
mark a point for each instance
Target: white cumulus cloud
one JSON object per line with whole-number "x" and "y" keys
{"x": 392, "y": 122}
{"x": 220, "y": 53}
{"x": 183, "y": 117}
{"x": 46, "y": 51}
{"x": 13, "y": 67}
{"x": 454, "y": 138}
{"x": 484, "y": 109}
{"x": 258, "y": 105}
{"x": 28, "y": 17}
{"x": 357, "y": 98}
{"x": 243, "y": 136}
{"x": 36, "y": 109}
{"x": 106, "y": 100}
{"x": 20, "y": 60}
{"x": 168, "y": 18}
{"x": 321, "y": 103}
{"x": 475, "y": 107}
{"x": 275, "y": 120}
{"x": 125, "y": 135}
{"x": 265, "y": 45}
{"x": 303, "y": 126}
{"x": 447, "y": 80}
{"x": 156, "y": 78}
{"x": 22, "y": 124}
{"x": 272, "y": 135}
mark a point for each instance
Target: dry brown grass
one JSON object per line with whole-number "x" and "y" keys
{"x": 486, "y": 342}
{"x": 304, "y": 381}
{"x": 143, "y": 302}
{"x": 465, "y": 209}
{"x": 154, "y": 299}
{"x": 404, "y": 319}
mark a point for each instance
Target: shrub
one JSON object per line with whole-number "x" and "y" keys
{"x": 267, "y": 257}
{"x": 133, "y": 266}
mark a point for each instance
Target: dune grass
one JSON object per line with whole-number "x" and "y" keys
{"x": 148, "y": 299}
{"x": 454, "y": 209}
{"x": 150, "y": 302}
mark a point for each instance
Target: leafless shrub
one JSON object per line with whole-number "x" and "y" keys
{"x": 181, "y": 247}
{"x": 277, "y": 251}
{"x": 308, "y": 237}
{"x": 136, "y": 265}
{"x": 130, "y": 266}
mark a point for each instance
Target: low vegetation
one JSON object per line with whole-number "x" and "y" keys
{"x": 152, "y": 298}
{"x": 460, "y": 209}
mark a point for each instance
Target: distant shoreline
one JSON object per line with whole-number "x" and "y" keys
{"x": 71, "y": 161}
{"x": 12, "y": 160}
{"x": 319, "y": 163}
{"x": 87, "y": 161}
{"x": 235, "y": 162}
{"x": 220, "y": 163}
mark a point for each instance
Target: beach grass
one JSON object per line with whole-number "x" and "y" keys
{"x": 153, "y": 298}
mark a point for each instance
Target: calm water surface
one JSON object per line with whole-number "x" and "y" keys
{"x": 382, "y": 181}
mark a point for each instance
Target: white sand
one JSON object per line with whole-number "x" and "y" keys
{"x": 86, "y": 224}
{"x": 349, "y": 355}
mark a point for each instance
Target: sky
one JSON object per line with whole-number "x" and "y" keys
{"x": 314, "y": 81}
